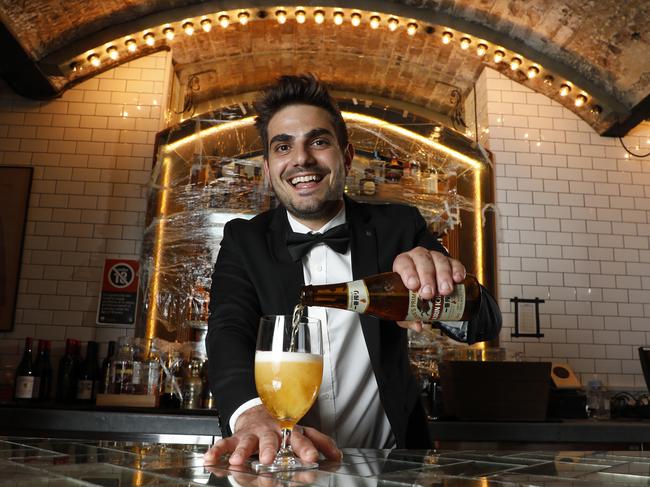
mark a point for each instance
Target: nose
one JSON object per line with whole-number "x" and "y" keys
{"x": 303, "y": 155}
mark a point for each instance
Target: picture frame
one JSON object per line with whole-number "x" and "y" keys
{"x": 15, "y": 188}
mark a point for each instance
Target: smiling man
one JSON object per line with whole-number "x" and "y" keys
{"x": 368, "y": 397}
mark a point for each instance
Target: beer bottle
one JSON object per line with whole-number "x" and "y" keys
{"x": 24, "y": 385}
{"x": 385, "y": 296}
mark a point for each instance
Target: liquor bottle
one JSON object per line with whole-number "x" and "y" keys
{"x": 88, "y": 375}
{"x": 192, "y": 385}
{"x": 24, "y": 388}
{"x": 66, "y": 387}
{"x": 43, "y": 371}
{"x": 122, "y": 367}
{"x": 171, "y": 394}
{"x": 385, "y": 296}
{"x": 105, "y": 379}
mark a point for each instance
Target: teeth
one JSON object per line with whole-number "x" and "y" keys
{"x": 304, "y": 179}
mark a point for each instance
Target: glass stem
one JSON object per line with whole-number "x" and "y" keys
{"x": 286, "y": 434}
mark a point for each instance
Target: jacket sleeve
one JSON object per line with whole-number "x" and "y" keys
{"x": 232, "y": 330}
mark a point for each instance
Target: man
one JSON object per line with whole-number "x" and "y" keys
{"x": 368, "y": 397}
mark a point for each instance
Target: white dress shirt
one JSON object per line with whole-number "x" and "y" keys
{"x": 348, "y": 407}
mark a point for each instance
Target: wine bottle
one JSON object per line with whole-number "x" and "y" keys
{"x": 105, "y": 379}
{"x": 43, "y": 371}
{"x": 66, "y": 387}
{"x": 24, "y": 386}
{"x": 385, "y": 296}
{"x": 88, "y": 375}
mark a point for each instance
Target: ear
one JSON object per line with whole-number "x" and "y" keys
{"x": 348, "y": 155}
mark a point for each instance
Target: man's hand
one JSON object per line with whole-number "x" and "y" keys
{"x": 257, "y": 431}
{"x": 428, "y": 272}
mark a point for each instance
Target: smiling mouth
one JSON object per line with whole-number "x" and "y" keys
{"x": 305, "y": 179}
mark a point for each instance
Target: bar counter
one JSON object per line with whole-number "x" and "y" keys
{"x": 62, "y": 463}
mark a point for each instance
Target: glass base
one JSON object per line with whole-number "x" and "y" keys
{"x": 284, "y": 461}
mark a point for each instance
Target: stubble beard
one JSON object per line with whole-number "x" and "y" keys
{"x": 316, "y": 209}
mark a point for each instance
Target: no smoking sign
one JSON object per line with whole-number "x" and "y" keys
{"x": 119, "y": 296}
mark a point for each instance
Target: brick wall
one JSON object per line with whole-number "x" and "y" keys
{"x": 91, "y": 151}
{"x": 573, "y": 228}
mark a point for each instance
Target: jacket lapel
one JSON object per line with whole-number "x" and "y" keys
{"x": 364, "y": 263}
{"x": 287, "y": 273}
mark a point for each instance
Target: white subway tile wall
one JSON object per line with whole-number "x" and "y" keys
{"x": 573, "y": 227}
{"x": 91, "y": 151}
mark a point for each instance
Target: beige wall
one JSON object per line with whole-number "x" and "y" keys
{"x": 91, "y": 151}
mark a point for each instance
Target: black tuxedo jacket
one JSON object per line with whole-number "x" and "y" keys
{"x": 254, "y": 275}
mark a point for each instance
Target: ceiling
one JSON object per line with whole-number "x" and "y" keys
{"x": 598, "y": 48}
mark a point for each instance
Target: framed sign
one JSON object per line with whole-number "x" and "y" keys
{"x": 118, "y": 300}
{"x": 15, "y": 186}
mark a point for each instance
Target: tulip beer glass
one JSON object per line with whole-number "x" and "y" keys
{"x": 288, "y": 374}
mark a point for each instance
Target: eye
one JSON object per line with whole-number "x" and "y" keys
{"x": 281, "y": 148}
{"x": 321, "y": 142}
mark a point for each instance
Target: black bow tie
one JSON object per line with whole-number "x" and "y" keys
{"x": 337, "y": 238}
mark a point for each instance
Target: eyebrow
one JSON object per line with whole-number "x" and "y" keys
{"x": 309, "y": 135}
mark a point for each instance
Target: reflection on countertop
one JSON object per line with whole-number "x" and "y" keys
{"x": 61, "y": 463}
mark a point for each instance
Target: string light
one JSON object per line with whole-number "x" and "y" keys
{"x": 465, "y": 42}
{"x": 565, "y": 90}
{"x": 355, "y": 19}
{"x": 532, "y": 72}
{"x": 338, "y": 17}
{"x": 374, "y": 21}
{"x": 224, "y": 21}
{"x": 301, "y": 16}
{"x": 580, "y": 100}
{"x": 319, "y": 16}
{"x": 447, "y": 37}
{"x": 206, "y": 25}
{"x": 149, "y": 39}
{"x": 411, "y": 28}
{"x": 481, "y": 49}
{"x": 169, "y": 33}
{"x": 392, "y": 24}
{"x": 94, "y": 60}
{"x": 131, "y": 45}
{"x": 112, "y": 52}
{"x": 281, "y": 16}
{"x": 515, "y": 62}
{"x": 188, "y": 27}
{"x": 499, "y": 55}
{"x": 243, "y": 17}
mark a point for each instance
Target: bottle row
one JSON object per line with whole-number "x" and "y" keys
{"x": 134, "y": 366}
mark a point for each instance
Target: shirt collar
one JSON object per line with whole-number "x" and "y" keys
{"x": 298, "y": 227}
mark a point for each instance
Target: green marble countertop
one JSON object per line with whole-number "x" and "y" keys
{"x": 60, "y": 463}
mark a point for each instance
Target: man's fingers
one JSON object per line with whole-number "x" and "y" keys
{"x": 247, "y": 445}
{"x": 268, "y": 446}
{"x": 324, "y": 444}
{"x": 219, "y": 449}
{"x": 302, "y": 446}
{"x": 411, "y": 325}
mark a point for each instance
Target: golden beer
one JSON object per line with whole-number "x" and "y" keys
{"x": 287, "y": 383}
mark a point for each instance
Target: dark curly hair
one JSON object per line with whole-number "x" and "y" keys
{"x": 303, "y": 89}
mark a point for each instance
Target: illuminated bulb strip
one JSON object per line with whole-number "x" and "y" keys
{"x": 532, "y": 72}
{"x": 374, "y": 21}
{"x": 301, "y": 16}
{"x": 224, "y": 21}
{"x": 481, "y": 49}
{"x": 319, "y": 16}
{"x": 338, "y": 18}
{"x": 515, "y": 62}
{"x": 393, "y": 23}
{"x": 206, "y": 25}
{"x": 499, "y": 55}
{"x": 112, "y": 52}
{"x": 131, "y": 45}
{"x": 355, "y": 19}
{"x": 94, "y": 60}
{"x": 169, "y": 33}
{"x": 565, "y": 90}
{"x": 281, "y": 16}
{"x": 465, "y": 42}
{"x": 447, "y": 37}
{"x": 580, "y": 100}
{"x": 411, "y": 28}
{"x": 149, "y": 39}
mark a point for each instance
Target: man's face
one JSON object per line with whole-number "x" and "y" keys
{"x": 306, "y": 166}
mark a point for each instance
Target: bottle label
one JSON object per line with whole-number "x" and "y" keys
{"x": 440, "y": 308}
{"x": 85, "y": 389}
{"x": 24, "y": 387}
{"x": 358, "y": 296}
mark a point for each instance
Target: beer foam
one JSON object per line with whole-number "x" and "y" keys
{"x": 270, "y": 356}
